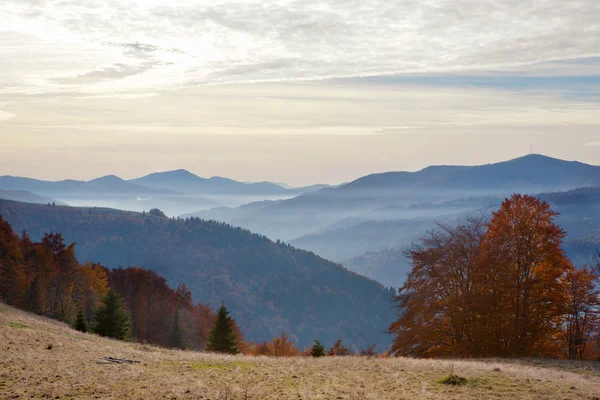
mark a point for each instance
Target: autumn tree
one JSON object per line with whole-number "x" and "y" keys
{"x": 317, "y": 349}
{"x": 522, "y": 279}
{"x": 222, "y": 337}
{"x": 438, "y": 296}
{"x": 111, "y": 318}
{"x": 11, "y": 269}
{"x": 583, "y": 310}
{"x": 496, "y": 289}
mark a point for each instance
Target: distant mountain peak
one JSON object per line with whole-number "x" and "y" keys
{"x": 541, "y": 160}
{"x": 107, "y": 179}
{"x": 180, "y": 172}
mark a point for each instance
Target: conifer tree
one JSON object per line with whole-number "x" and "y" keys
{"x": 80, "y": 323}
{"x": 317, "y": 349}
{"x": 35, "y": 298}
{"x": 222, "y": 337}
{"x": 111, "y": 318}
{"x": 176, "y": 341}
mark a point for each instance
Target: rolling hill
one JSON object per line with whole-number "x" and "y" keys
{"x": 270, "y": 287}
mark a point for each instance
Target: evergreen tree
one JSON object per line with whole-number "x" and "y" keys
{"x": 111, "y": 318}
{"x": 176, "y": 341}
{"x": 35, "y": 298}
{"x": 317, "y": 349}
{"x": 80, "y": 323}
{"x": 222, "y": 337}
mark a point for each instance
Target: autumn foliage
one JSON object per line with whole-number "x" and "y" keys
{"x": 503, "y": 288}
{"x": 45, "y": 278}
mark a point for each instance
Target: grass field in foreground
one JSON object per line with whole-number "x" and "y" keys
{"x": 71, "y": 369}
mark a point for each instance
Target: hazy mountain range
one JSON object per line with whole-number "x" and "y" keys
{"x": 364, "y": 224}
{"x": 367, "y": 223}
{"x": 175, "y": 192}
{"x": 401, "y": 195}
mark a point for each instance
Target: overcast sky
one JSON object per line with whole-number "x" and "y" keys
{"x": 293, "y": 91}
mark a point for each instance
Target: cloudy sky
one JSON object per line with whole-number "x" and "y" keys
{"x": 295, "y": 91}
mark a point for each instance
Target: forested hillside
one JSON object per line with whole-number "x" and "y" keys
{"x": 269, "y": 287}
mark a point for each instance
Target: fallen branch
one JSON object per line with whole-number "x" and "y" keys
{"x": 113, "y": 360}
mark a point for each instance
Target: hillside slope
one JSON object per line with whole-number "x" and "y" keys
{"x": 74, "y": 368}
{"x": 270, "y": 287}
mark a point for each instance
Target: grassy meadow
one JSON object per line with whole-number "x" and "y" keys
{"x": 42, "y": 358}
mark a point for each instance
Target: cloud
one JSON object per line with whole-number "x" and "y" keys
{"x": 6, "y": 115}
{"x": 124, "y": 45}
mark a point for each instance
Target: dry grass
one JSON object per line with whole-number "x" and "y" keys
{"x": 70, "y": 369}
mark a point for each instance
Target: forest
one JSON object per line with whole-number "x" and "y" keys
{"x": 270, "y": 287}
{"x": 45, "y": 278}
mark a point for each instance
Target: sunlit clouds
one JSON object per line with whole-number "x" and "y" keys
{"x": 107, "y": 46}
{"x": 293, "y": 91}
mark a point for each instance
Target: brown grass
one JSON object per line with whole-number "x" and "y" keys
{"x": 29, "y": 368}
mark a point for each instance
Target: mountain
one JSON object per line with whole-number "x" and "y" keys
{"x": 186, "y": 182}
{"x": 532, "y": 174}
{"x": 106, "y": 185}
{"x": 27, "y": 197}
{"x": 271, "y": 287}
{"x": 302, "y": 215}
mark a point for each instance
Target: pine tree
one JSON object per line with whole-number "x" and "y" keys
{"x": 317, "y": 349}
{"x": 80, "y": 323}
{"x": 35, "y": 299}
{"x": 111, "y": 318}
{"x": 222, "y": 337}
{"x": 175, "y": 340}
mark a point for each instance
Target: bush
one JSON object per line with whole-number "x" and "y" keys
{"x": 339, "y": 350}
{"x": 453, "y": 379}
{"x": 369, "y": 352}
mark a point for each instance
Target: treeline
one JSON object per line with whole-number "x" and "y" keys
{"x": 502, "y": 288}
{"x": 45, "y": 278}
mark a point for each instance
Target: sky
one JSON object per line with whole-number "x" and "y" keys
{"x": 302, "y": 92}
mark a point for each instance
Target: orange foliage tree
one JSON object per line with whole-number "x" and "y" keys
{"x": 437, "y": 299}
{"x": 503, "y": 289}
